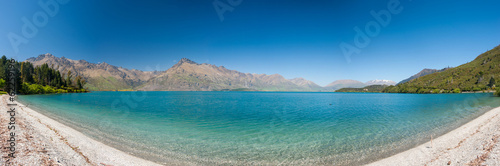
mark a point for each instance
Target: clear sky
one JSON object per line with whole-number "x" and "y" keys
{"x": 294, "y": 38}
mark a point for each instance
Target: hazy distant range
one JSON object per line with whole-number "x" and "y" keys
{"x": 187, "y": 75}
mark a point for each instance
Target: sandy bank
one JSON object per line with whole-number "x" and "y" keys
{"x": 475, "y": 143}
{"x": 43, "y": 141}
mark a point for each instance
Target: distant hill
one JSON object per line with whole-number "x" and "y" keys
{"x": 339, "y": 84}
{"x": 306, "y": 84}
{"x": 380, "y": 82}
{"x": 482, "y": 73}
{"x": 100, "y": 76}
{"x": 371, "y": 88}
{"x": 424, "y": 72}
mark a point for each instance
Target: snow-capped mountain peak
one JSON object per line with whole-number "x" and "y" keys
{"x": 380, "y": 82}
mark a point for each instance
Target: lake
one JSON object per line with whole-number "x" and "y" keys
{"x": 262, "y": 128}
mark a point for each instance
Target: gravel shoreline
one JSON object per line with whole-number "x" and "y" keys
{"x": 43, "y": 141}
{"x": 474, "y": 143}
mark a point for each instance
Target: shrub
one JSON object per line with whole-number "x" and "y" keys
{"x": 35, "y": 89}
{"x": 24, "y": 88}
{"x": 2, "y": 84}
{"x": 436, "y": 91}
{"x": 476, "y": 89}
{"x": 48, "y": 89}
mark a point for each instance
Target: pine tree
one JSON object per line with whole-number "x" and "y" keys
{"x": 68, "y": 79}
{"x": 79, "y": 84}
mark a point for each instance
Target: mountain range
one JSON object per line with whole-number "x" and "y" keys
{"x": 186, "y": 75}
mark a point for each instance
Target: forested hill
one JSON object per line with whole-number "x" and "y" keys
{"x": 43, "y": 79}
{"x": 483, "y": 73}
{"x": 371, "y": 88}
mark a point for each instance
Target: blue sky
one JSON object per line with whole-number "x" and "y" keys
{"x": 294, "y": 38}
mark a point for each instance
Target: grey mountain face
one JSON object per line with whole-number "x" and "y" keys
{"x": 424, "y": 72}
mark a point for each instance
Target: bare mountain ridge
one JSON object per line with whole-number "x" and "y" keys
{"x": 305, "y": 83}
{"x": 424, "y": 72}
{"x": 187, "y": 75}
{"x": 339, "y": 84}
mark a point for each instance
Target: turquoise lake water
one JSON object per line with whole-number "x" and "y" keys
{"x": 262, "y": 128}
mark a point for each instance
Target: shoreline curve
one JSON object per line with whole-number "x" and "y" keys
{"x": 475, "y": 143}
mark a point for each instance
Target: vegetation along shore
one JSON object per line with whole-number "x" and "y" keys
{"x": 43, "y": 79}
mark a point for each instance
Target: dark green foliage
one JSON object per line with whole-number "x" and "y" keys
{"x": 68, "y": 79}
{"x": 79, "y": 84}
{"x": 478, "y": 75}
{"x": 2, "y": 83}
{"x": 3, "y": 67}
{"x": 492, "y": 82}
{"x": 371, "y": 88}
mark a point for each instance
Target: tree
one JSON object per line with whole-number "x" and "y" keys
{"x": 58, "y": 81}
{"x": 3, "y": 67}
{"x": 22, "y": 72}
{"x": 2, "y": 84}
{"x": 492, "y": 82}
{"x": 68, "y": 79}
{"x": 83, "y": 82}
{"x": 78, "y": 83}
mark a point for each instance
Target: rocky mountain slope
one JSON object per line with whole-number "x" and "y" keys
{"x": 306, "y": 83}
{"x": 424, "y": 72}
{"x": 187, "y": 75}
{"x": 339, "y": 84}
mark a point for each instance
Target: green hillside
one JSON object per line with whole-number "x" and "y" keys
{"x": 107, "y": 83}
{"x": 483, "y": 73}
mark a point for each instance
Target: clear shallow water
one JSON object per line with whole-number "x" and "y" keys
{"x": 262, "y": 128}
